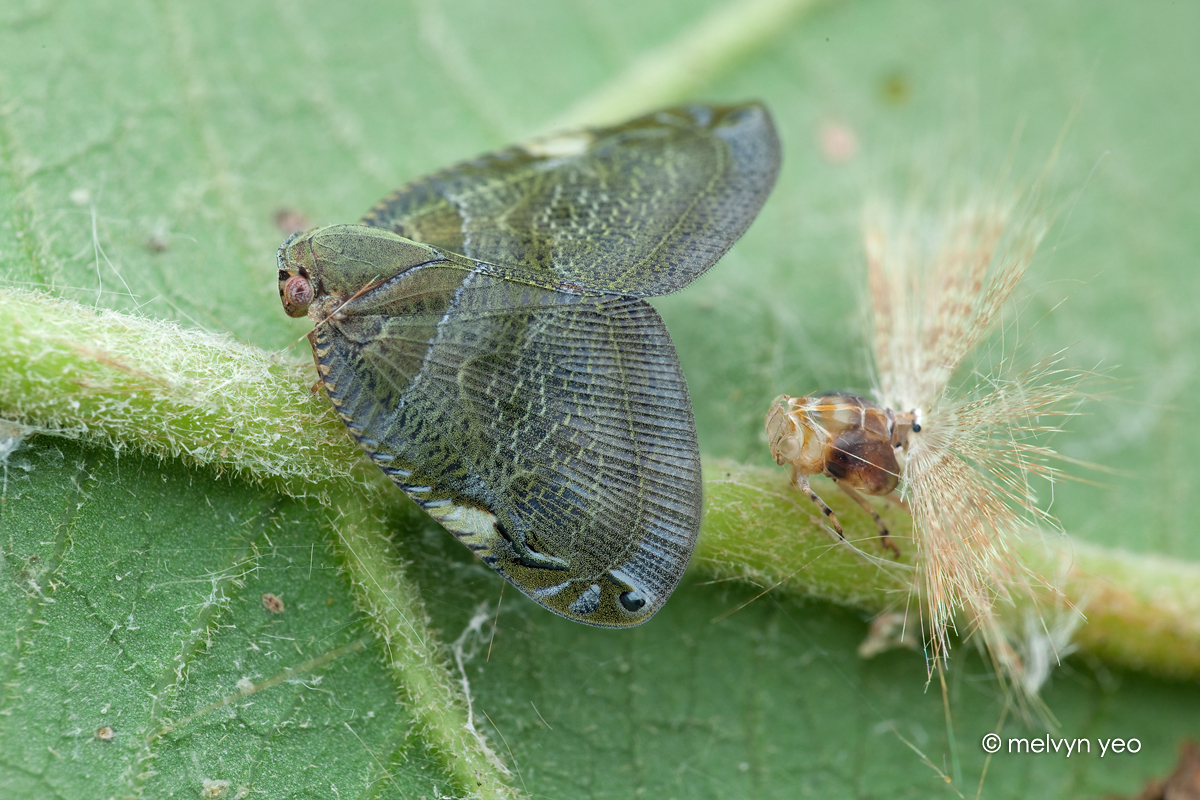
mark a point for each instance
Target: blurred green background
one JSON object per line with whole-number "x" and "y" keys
{"x": 146, "y": 150}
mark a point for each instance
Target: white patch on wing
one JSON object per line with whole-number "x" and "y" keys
{"x": 560, "y": 146}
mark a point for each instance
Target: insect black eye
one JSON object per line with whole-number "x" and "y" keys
{"x": 916, "y": 428}
{"x": 633, "y": 600}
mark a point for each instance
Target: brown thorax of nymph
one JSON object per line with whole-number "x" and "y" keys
{"x": 858, "y": 444}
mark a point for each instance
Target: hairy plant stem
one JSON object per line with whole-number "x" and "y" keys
{"x": 124, "y": 381}
{"x": 1143, "y": 612}
{"x": 128, "y": 382}
{"x": 414, "y": 656}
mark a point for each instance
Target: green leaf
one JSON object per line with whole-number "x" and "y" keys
{"x": 133, "y": 600}
{"x": 144, "y": 154}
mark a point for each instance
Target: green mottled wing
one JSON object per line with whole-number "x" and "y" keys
{"x": 484, "y": 338}
{"x": 549, "y": 430}
{"x": 640, "y": 208}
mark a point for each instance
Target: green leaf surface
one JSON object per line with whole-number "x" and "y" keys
{"x": 133, "y": 600}
{"x": 145, "y": 151}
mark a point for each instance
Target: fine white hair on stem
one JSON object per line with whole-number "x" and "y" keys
{"x": 939, "y": 281}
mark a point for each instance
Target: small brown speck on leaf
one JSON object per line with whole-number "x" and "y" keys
{"x": 213, "y": 789}
{"x": 895, "y": 89}
{"x": 290, "y": 221}
{"x": 272, "y": 603}
{"x": 1182, "y": 784}
{"x": 838, "y": 142}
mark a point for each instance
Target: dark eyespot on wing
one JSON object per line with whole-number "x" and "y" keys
{"x": 633, "y": 600}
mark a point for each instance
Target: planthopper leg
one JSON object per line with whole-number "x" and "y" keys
{"x": 867, "y": 507}
{"x": 800, "y": 481}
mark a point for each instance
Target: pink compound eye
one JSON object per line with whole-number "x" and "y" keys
{"x": 297, "y": 294}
